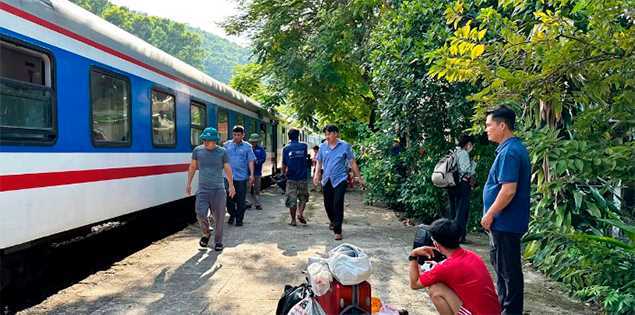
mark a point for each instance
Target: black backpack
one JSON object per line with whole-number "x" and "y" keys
{"x": 291, "y": 296}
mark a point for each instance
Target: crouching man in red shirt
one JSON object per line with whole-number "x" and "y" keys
{"x": 460, "y": 284}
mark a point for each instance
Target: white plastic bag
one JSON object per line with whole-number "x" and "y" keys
{"x": 320, "y": 278}
{"x": 349, "y": 264}
{"x": 307, "y": 306}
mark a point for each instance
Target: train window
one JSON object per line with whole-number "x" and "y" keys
{"x": 269, "y": 137}
{"x": 110, "y": 108}
{"x": 163, "y": 119}
{"x": 198, "y": 121}
{"x": 223, "y": 125}
{"x": 27, "y": 113}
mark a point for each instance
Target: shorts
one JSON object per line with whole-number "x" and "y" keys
{"x": 297, "y": 192}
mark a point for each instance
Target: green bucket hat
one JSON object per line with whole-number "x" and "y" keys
{"x": 210, "y": 134}
{"x": 254, "y": 137}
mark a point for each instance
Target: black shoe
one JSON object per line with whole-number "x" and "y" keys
{"x": 230, "y": 221}
{"x": 258, "y": 207}
{"x": 218, "y": 247}
{"x": 239, "y": 224}
{"x": 203, "y": 242}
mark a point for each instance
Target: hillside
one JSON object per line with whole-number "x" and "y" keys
{"x": 210, "y": 53}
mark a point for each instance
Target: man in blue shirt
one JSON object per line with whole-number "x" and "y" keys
{"x": 506, "y": 207}
{"x": 333, "y": 156}
{"x": 294, "y": 167}
{"x": 261, "y": 157}
{"x": 241, "y": 159}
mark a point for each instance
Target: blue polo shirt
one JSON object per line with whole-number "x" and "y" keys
{"x": 334, "y": 161}
{"x": 239, "y": 157}
{"x": 510, "y": 166}
{"x": 261, "y": 157}
{"x": 294, "y": 157}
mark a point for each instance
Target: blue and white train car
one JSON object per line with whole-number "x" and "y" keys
{"x": 95, "y": 123}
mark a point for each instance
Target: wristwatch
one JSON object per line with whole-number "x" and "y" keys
{"x": 411, "y": 258}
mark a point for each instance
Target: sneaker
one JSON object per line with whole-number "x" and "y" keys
{"x": 331, "y": 226}
{"x": 258, "y": 207}
{"x": 218, "y": 247}
{"x": 203, "y": 242}
{"x": 230, "y": 221}
{"x": 338, "y": 237}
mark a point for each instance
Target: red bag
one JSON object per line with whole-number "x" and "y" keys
{"x": 346, "y": 299}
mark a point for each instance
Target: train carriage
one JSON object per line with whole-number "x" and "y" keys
{"x": 95, "y": 123}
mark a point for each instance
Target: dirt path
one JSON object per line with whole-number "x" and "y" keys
{"x": 174, "y": 276}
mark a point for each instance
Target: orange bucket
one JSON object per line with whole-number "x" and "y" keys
{"x": 375, "y": 305}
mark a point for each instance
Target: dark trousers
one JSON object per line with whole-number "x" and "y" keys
{"x": 236, "y": 206}
{"x": 505, "y": 257}
{"x": 459, "y": 196}
{"x": 334, "y": 204}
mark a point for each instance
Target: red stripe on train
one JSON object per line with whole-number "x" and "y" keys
{"x": 32, "y": 18}
{"x": 36, "y": 180}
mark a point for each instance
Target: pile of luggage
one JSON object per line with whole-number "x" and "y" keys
{"x": 336, "y": 285}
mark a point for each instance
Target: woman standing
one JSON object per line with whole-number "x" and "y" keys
{"x": 459, "y": 195}
{"x": 332, "y": 158}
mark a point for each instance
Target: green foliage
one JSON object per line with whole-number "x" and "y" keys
{"x": 207, "y": 52}
{"x": 247, "y": 79}
{"x": 313, "y": 51}
{"x": 567, "y": 68}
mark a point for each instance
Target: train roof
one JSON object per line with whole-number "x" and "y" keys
{"x": 77, "y": 20}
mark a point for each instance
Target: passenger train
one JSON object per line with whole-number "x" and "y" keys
{"x": 96, "y": 124}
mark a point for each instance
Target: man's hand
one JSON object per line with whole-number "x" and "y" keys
{"x": 427, "y": 251}
{"x": 252, "y": 180}
{"x": 486, "y": 221}
{"x": 359, "y": 180}
{"x": 232, "y": 191}
{"x": 188, "y": 190}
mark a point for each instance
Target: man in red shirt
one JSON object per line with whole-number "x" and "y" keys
{"x": 460, "y": 284}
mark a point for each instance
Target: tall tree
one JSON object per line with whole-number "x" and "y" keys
{"x": 314, "y": 52}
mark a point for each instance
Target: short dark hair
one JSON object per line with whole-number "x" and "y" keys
{"x": 315, "y": 147}
{"x": 504, "y": 114}
{"x": 465, "y": 139}
{"x": 239, "y": 128}
{"x": 446, "y": 233}
{"x": 294, "y": 134}
{"x": 330, "y": 128}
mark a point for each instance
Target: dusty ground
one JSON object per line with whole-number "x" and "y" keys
{"x": 174, "y": 276}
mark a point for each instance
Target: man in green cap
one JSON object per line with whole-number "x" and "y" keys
{"x": 211, "y": 160}
{"x": 261, "y": 157}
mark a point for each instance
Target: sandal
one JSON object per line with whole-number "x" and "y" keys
{"x": 302, "y": 219}
{"x": 203, "y": 242}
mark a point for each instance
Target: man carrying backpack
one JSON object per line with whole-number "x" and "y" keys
{"x": 459, "y": 195}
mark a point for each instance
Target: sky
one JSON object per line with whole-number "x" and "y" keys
{"x": 204, "y": 14}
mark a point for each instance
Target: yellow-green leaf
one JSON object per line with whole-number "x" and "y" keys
{"x": 481, "y": 33}
{"x": 477, "y": 51}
